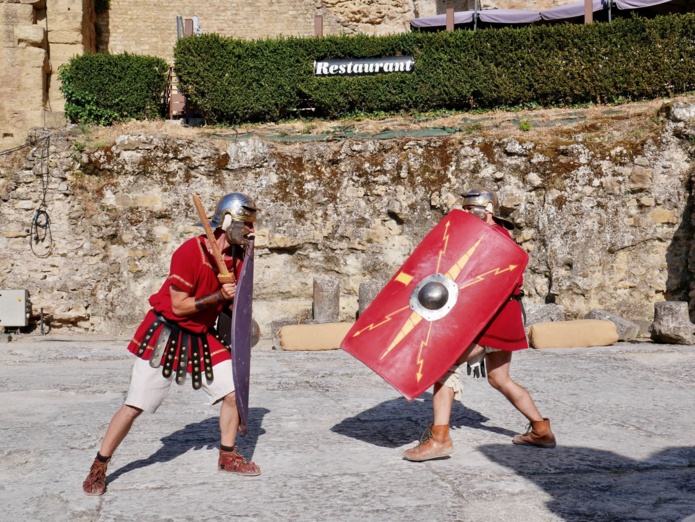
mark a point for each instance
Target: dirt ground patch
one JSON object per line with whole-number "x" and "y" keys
{"x": 543, "y": 126}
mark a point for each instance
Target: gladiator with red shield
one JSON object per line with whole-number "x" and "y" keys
{"x": 456, "y": 300}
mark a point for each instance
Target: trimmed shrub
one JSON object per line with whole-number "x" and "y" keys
{"x": 107, "y": 88}
{"x": 235, "y": 81}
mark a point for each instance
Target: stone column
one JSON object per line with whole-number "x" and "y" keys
{"x": 368, "y": 291}
{"x": 672, "y": 323}
{"x": 326, "y": 307}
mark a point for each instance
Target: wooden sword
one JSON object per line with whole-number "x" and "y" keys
{"x": 224, "y": 276}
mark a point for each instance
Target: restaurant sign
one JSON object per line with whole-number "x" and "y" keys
{"x": 364, "y": 66}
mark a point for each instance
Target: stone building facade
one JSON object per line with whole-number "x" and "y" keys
{"x": 130, "y": 26}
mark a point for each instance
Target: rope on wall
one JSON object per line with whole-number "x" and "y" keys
{"x": 40, "y": 234}
{"x": 40, "y": 238}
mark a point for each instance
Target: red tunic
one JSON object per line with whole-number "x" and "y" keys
{"x": 194, "y": 271}
{"x": 505, "y": 331}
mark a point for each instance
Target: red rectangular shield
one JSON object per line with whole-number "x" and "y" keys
{"x": 435, "y": 306}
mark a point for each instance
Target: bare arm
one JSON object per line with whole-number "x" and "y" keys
{"x": 183, "y": 304}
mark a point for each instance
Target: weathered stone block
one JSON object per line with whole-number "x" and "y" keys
{"x": 640, "y": 178}
{"x": 679, "y": 111}
{"x": 15, "y": 233}
{"x": 246, "y": 153}
{"x": 543, "y": 313}
{"x": 367, "y": 292}
{"x": 147, "y": 201}
{"x": 24, "y": 119}
{"x": 662, "y": 215}
{"x": 672, "y": 323}
{"x": 30, "y": 36}
{"x": 55, "y": 118}
{"x": 627, "y": 330}
{"x": 61, "y": 53}
{"x": 62, "y": 20}
{"x": 326, "y": 308}
{"x": 24, "y": 58}
{"x": 32, "y": 84}
{"x": 72, "y": 35}
{"x": 16, "y": 14}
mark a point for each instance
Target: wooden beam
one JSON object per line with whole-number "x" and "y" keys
{"x": 588, "y": 11}
{"x": 449, "y": 19}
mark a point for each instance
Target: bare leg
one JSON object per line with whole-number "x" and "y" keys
{"x": 121, "y": 422}
{"x": 442, "y": 402}
{"x": 498, "y": 377}
{"x": 118, "y": 428}
{"x": 436, "y": 442}
{"x": 443, "y": 396}
{"x": 229, "y": 420}
{"x": 232, "y": 461}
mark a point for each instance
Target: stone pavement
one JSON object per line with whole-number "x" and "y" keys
{"x": 328, "y": 434}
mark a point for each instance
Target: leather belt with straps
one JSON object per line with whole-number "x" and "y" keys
{"x": 164, "y": 348}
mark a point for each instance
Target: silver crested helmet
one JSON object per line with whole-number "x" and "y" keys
{"x": 238, "y": 206}
{"x": 483, "y": 201}
{"x": 231, "y": 215}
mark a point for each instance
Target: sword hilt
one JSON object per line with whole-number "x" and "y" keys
{"x": 226, "y": 278}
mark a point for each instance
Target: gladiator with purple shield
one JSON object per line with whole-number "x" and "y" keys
{"x": 178, "y": 341}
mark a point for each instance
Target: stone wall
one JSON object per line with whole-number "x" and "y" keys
{"x": 606, "y": 219}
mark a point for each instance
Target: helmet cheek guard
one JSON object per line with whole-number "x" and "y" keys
{"x": 477, "y": 211}
{"x": 236, "y": 231}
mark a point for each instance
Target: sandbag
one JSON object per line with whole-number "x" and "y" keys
{"x": 582, "y": 333}
{"x": 326, "y": 336}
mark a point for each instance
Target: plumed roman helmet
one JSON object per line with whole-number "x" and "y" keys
{"x": 484, "y": 201}
{"x": 234, "y": 207}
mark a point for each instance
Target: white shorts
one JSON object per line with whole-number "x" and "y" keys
{"x": 452, "y": 378}
{"x": 149, "y": 388}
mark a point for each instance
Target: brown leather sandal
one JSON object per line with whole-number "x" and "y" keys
{"x": 95, "y": 483}
{"x": 233, "y": 462}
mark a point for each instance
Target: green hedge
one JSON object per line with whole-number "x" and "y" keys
{"x": 234, "y": 81}
{"x": 106, "y": 88}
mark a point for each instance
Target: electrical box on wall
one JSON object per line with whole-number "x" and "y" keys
{"x": 14, "y": 308}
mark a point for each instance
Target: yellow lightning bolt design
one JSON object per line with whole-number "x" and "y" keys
{"x": 405, "y": 279}
{"x": 420, "y": 360}
{"x": 386, "y": 320}
{"x": 445, "y": 237}
{"x": 455, "y": 270}
{"x": 410, "y": 323}
{"x": 481, "y": 277}
{"x": 415, "y": 318}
